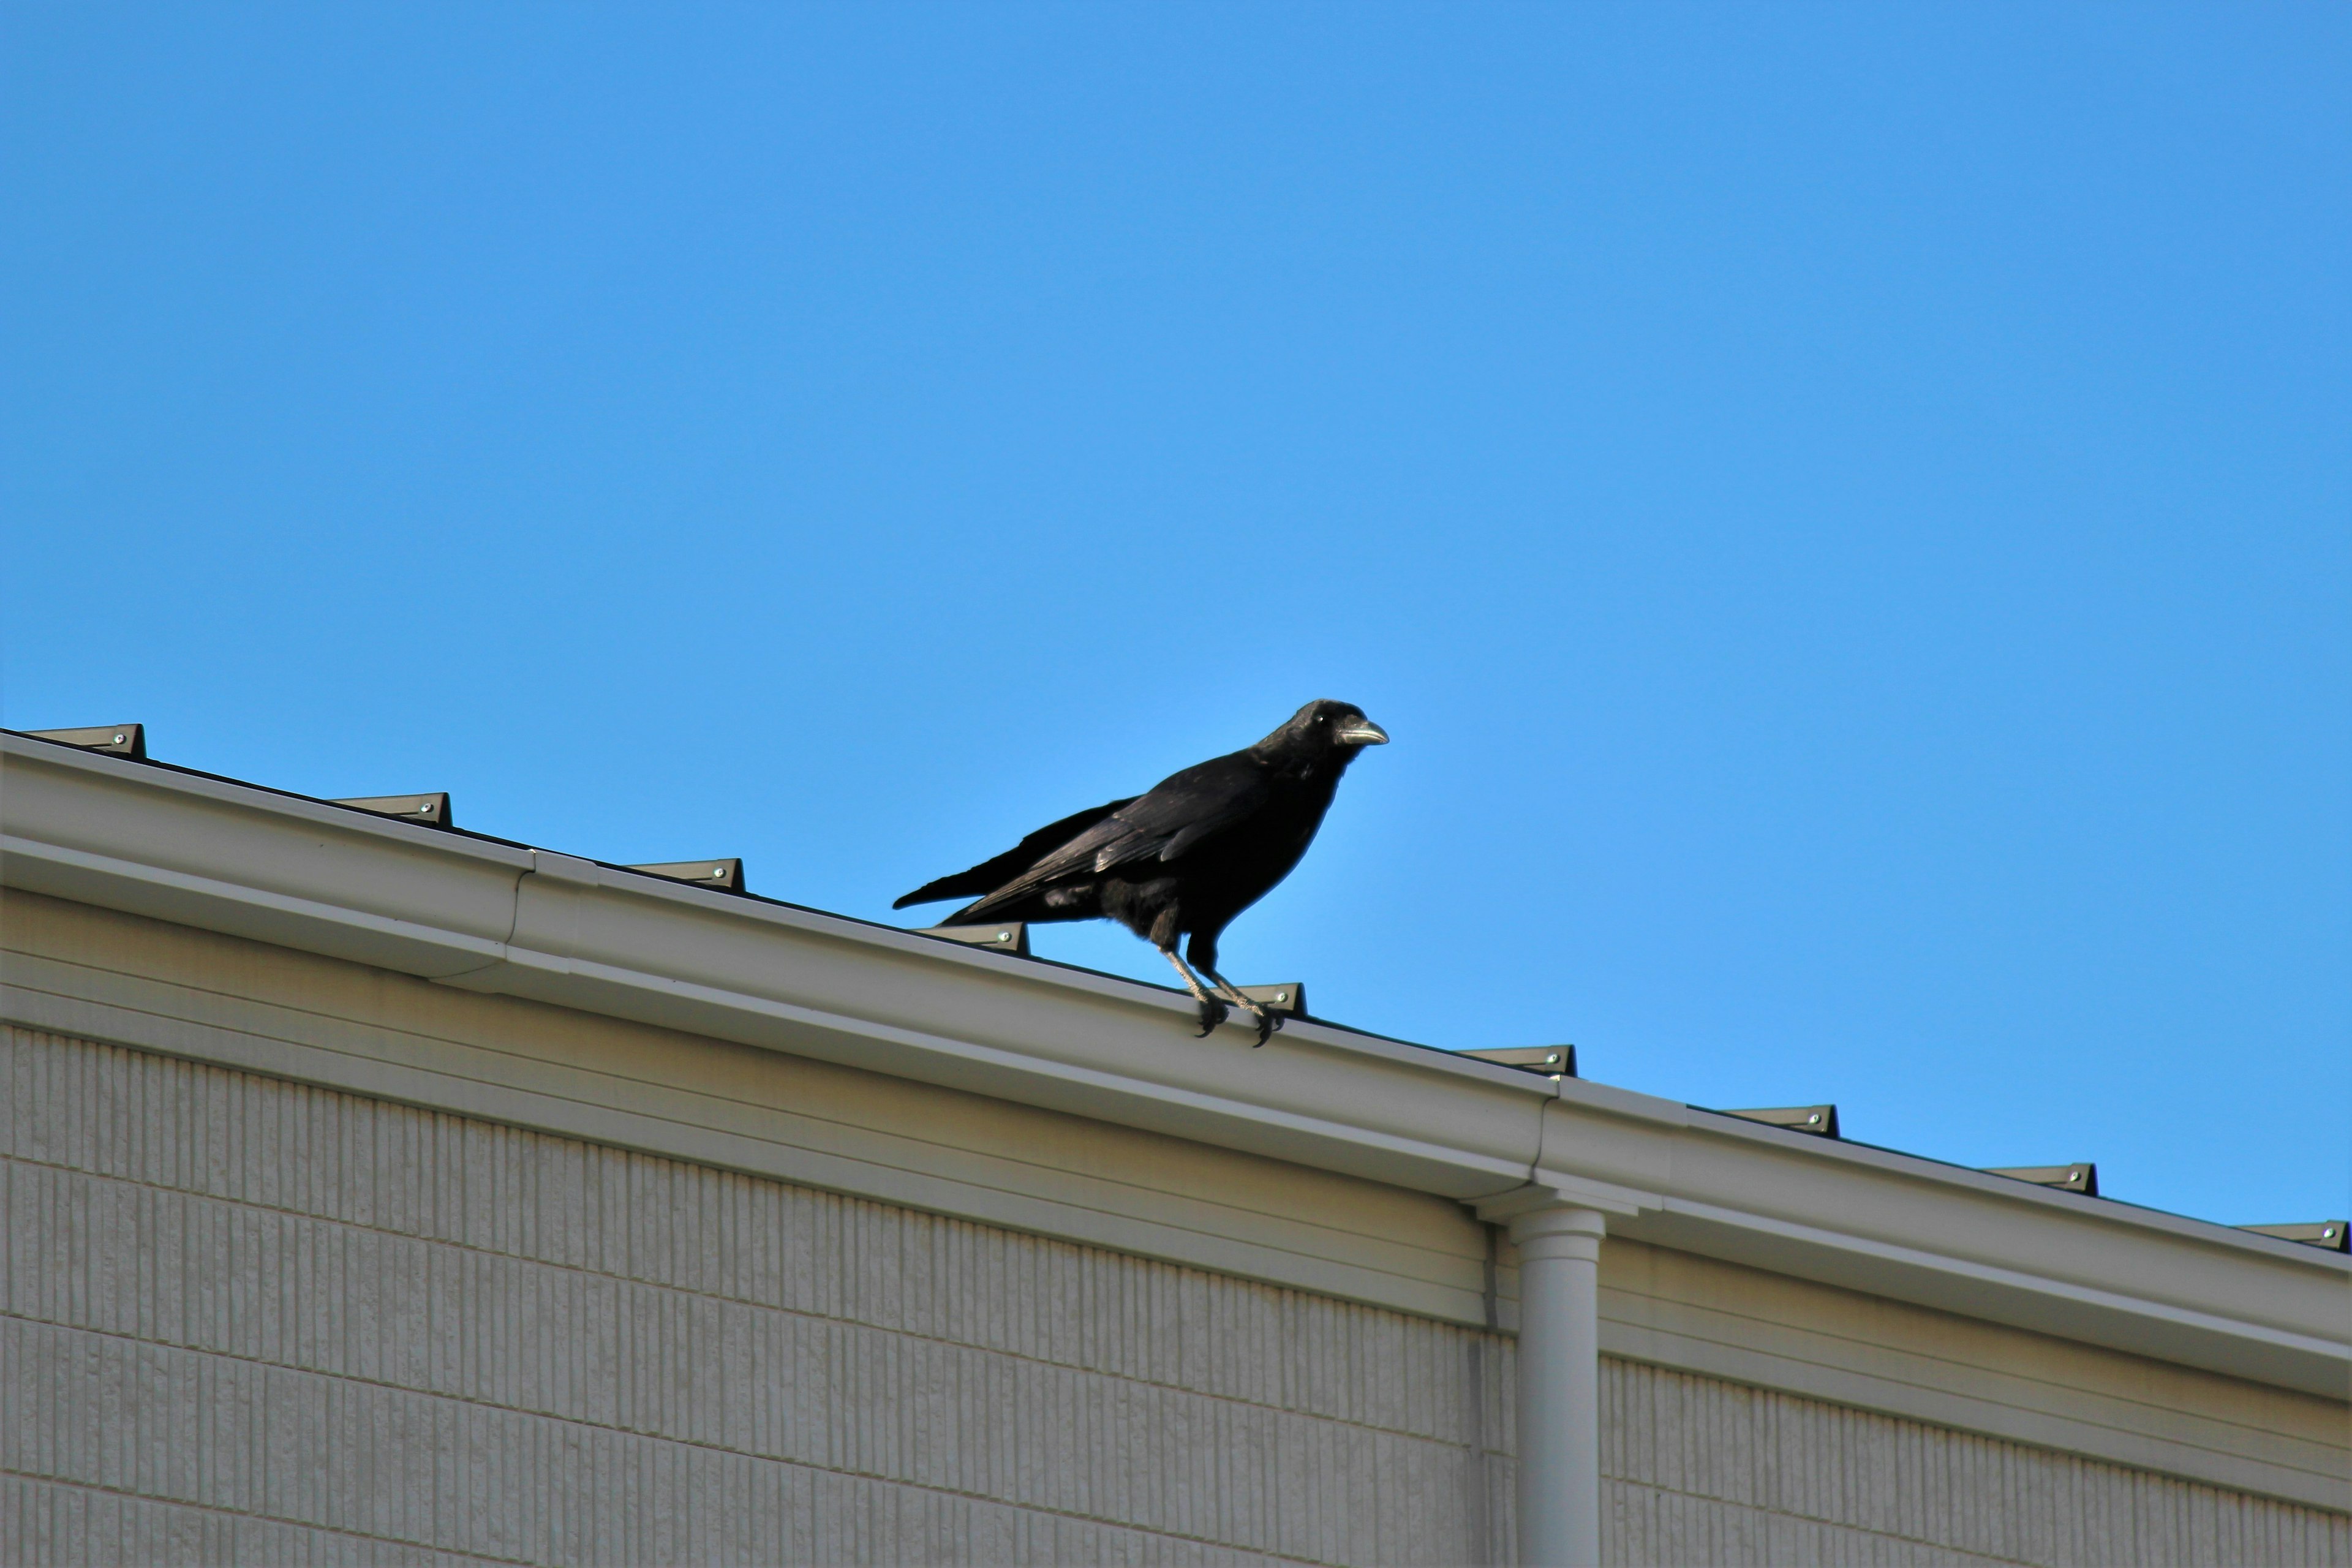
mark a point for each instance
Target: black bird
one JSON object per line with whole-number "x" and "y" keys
{"x": 1183, "y": 859}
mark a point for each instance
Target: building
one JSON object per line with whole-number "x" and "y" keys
{"x": 381, "y": 1192}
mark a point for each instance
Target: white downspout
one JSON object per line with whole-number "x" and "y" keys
{"x": 1559, "y": 1392}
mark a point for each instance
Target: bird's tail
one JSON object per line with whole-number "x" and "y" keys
{"x": 1027, "y": 905}
{"x": 989, "y": 875}
{"x": 963, "y": 885}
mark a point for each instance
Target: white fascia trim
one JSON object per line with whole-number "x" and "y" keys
{"x": 34, "y": 865}
{"x": 483, "y": 915}
{"x": 2010, "y": 1190}
{"x": 1049, "y": 1081}
{"x": 2151, "y": 1328}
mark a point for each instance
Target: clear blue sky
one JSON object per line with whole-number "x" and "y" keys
{"x": 1843, "y": 510}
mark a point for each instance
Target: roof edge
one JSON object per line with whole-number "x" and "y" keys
{"x": 490, "y": 915}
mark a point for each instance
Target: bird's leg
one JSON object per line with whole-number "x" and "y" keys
{"x": 1212, "y": 1012}
{"x": 1267, "y": 1023}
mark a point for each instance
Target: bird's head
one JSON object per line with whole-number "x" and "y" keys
{"x": 1324, "y": 729}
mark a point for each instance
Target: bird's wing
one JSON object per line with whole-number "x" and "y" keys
{"x": 990, "y": 875}
{"x": 1178, "y": 813}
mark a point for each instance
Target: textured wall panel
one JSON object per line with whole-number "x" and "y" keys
{"x": 347, "y": 1320}
{"x": 246, "y": 1321}
{"x": 1698, "y": 1470}
{"x": 1721, "y": 1319}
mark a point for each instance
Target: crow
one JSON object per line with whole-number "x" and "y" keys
{"x": 1182, "y": 859}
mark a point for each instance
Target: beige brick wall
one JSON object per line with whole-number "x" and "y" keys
{"x": 247, "y": 1320}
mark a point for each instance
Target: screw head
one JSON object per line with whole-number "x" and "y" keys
{"x": 120, "y": 738}
{"x": 719, "y": 870}
{"x": 1004, "y": 936}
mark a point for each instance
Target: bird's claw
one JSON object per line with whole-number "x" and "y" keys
{"x": 1214, "y": 1014}
{"x": 1267, "y": 1019}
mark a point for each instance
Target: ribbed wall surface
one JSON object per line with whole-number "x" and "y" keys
{"x": 1700, "y": 1470}
{"x": 248, "y": 1322}
{"x": 321, "y": 1324}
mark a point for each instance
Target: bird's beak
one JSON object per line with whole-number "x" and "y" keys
{"x": 1364, "y": 732}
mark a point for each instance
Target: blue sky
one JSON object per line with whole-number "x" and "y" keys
{"x": 1844, "y": 511}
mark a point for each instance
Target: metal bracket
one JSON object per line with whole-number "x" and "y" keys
{"x": 432, "y": 810}
{"x": 1820, "y": 1121}
{"x": 1545, "y": 1061}
{"x": 115, "y": 740}
{"x": 2083, "y": 1176}
{"x": 1285, "y": 1001}
{"x": 1012, "y": 937}
{"x": 2331, "y": 1234}
{"x": 724, "y": 873}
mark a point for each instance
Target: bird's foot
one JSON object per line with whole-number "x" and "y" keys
{"x": 1267, "y": 1019}
{"x": 1213, "y": 1013}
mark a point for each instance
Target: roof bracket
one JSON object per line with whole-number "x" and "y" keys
{"x": 1011, "y": 936}
{"x": 1820, "y": 1121}
{"x": 723, "y": 873}
{"x": 432, "y": 810}
{"x": 2083, "y": 1176}
{"x": 1544, "y": 1061}
{"x": 2334, "y": 1234}
{"x": 115, "y": 740}
{"x": 1282, "y": 1001}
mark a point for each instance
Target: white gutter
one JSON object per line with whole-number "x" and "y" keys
{"x": 494, "y": 917}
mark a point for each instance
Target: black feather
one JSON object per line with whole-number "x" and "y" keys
{"x": 990, "y": 875}
{"x": 1186, "y": 856}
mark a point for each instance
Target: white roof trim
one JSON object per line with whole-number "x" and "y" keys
{"x": 496, "y": 917}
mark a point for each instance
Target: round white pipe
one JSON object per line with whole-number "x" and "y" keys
{"x": 1559, "y": 1387}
